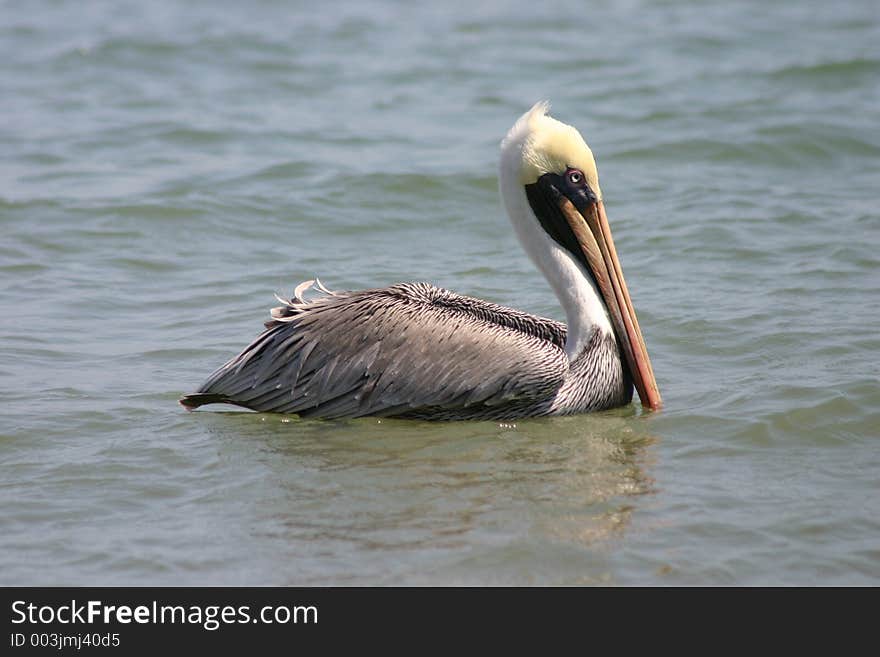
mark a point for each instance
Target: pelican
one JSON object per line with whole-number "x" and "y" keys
{"x": 414, "y": 350}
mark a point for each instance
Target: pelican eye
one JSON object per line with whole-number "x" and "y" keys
{"x": 575, "y": 177}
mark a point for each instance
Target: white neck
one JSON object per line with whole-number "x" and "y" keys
{"x": 573, "y": 286}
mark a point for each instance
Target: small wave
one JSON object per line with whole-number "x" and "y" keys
{"x": 851, "y": 68}
{"x": 777, "y": 147}
{"x": 144, "y": 264}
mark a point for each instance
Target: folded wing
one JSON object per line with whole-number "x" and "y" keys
{"x": 406, "y": 350}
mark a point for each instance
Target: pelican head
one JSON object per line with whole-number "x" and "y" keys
{"x": 550, "y": 186}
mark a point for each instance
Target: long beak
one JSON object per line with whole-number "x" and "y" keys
{"x": 594, "y": 236}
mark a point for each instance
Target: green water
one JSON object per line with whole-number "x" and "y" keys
{"x": 164, "y": 168}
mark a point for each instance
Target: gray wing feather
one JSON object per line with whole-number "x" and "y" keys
{"x": 392, "y": 351}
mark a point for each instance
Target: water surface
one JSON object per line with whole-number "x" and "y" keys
{"x": 164, "y": 168}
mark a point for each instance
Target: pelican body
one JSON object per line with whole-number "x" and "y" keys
{"x": 414, "y": 350}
